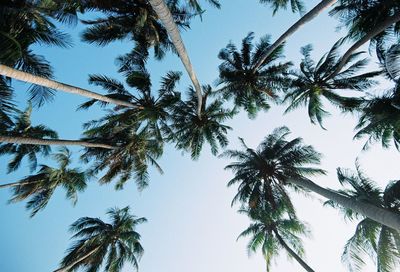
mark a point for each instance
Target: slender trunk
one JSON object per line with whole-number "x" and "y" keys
{"x": 13, "y": 184}
{"x": 36, "y": 141}
{"x": 302, "y": 21}
{"x": 52, "y": 84}
{"x": 378, "y": 29}
{"x": 68, "y": 267}
{"x": 373, "y": 212}
{"x": 166, "y": 18}
{"x": 292, "y": 253}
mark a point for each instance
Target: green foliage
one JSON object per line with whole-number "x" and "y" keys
{"x": 22, "y": 127}
{"x": 40, "y": 187}
{"x": 379, "y": 242}
{"x": 189, "y": 131}
{"x": 25, "y": 23}
{"x": 313, "y": 82}
{"x": 263, "y": 174}
{"x": 252, "y": 90}
{"x": 134, "y": 20}
{"x": 295, "y": 5}
{"x": 361, "y": 16}
{"x": 270, "y": 229}
{"x": 112, "y": 244}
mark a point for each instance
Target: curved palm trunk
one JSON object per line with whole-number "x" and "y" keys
{"x": 302, "y": 21}
{"x": 166, "y": 18}
{"x": 13, "y": 184}
{"x": 52, "y": 84}
{"x": 292, "y": 253}
{"x": 67, "y": 268}
{"x": 378, "y": 29}
{"x": 36, "y": 141}
{"x": 373, "y": 212}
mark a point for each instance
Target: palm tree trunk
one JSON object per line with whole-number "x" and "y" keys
{"x": 13, "y": 184}
{"x": 373, "y": 212}
{"x": 166, "y": 18}
{"x": 68, "y": 267}
{"x": 52, "y": 84}
{"x": 292, "y": 253}
{"x": 378, "y": 29}
{"x": 302, "y": 21}
{"x": 36, "y": 141}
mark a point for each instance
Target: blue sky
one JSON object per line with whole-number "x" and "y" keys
{"x": 191, "y": 226}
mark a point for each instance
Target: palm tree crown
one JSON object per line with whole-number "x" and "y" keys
{"x": 252, "y": 90}
{"x": 378, "y": 241}
{"x": 262, "y": 174}
{"x": 41, "y": 186}
{"x": 189, "y": 131}
{"x": 99, "y": 243}
{"x": 272, "y": 231}
{"x": 313, "y": 82}
{"x": 135, "y": 20}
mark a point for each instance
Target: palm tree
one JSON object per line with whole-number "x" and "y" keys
{"x": 24, "y": 23}
{"x": 39, "y": 188}
{"x": 166, "y": 17}
{"x": 135, "y": 147}
{"x": 190, "y": 131}
{"x": 135, "y": 20}
{"x": 250, "y": 89}
{"x": 55, "y": 85}
{"x": 362, "y": 16}
{"x": 22, "y": 139}
{"x": 272, "y": 231}
{"x": 152, "y": 111}
{"x": 313, "y": 82}
{"x": 379, "y": 119}
{"x": 378, "y": 241}
{"x": 278, "y": 161}
{"x": 309, "y": 16}
{"x": 99, "y": 243}
{"x": 22, "y": 127}
{"x": 366, "y": 24}
{"x": 295, "y": 5}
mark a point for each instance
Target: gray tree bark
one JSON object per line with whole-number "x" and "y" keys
{"x": 36, "y": 141}
{"x": 373, "y": 212}
{"x": 302, "y": 21}
{"x": 166, "y": 18}
{"x": 52, "y": 84}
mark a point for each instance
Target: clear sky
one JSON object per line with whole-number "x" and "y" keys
{"x": 191, "y": 226}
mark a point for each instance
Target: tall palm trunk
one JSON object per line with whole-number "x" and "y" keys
{"x": 378, "y": 29}
{"x": 14, "y": 184}
{"x": 52, "y": 84}
{"x": 292, "y": 253}
{"x": 68, "y": 267}
{"x": 37, "y": 141}
{"x": 302, "y": 21}
{"x": 166, "y": 18}
{"x": 373, "y": 212}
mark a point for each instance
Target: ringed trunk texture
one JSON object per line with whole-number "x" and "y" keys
{"x": 67, "y": 268}
{"x": 52, "y": 84}
{"x": 166, "y": 18}
{"x": 292, "y": 253}
{"x": 373, "y": 212}
{"x": 302, "y": 21}
{"x": 36, "y": 141}
{"x": 378, "y": 29}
